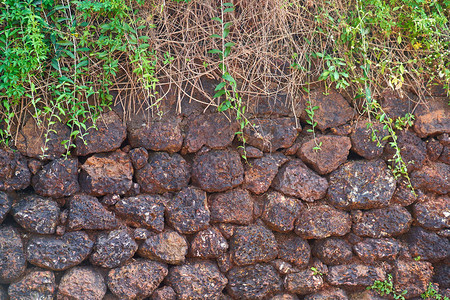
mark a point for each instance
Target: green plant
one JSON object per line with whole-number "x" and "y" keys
{"x": 316, "y": 271}
{"x": 432, "y": 293}
{"x": 310, "y": 112}
{"x": 417, "y": 258}
{"x": 386, "y": 287}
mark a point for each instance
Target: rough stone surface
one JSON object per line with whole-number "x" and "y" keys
{"x": 36, "y": 214}
{"x": 252, "y": 244}
{"x": 106, "y": 173}
{"x": 370, "y": 250}
{"x": 270, "y": 135}
{"x": 441, "y": 277}
{"x": 260, "y": 172}
{"x": 251, "y": 152}
{"x": 333, "y": 251}
{"x": 434, "y": 149}
{"x": 284, "y": 297}
{"x": 3, "y": 293}
{"x": 169, "y": 247}
{"x": 397, "y": 104}
{"x": 57, "y": 179}
{"x": 355, "y": 275}
{"x": 362, "y": 142}
{"x": 137, "y": 279}
{"x": 164, "y": 293}
{"x": 433, "y": 213}
{"x": 163, "y": 173}
{"x": 86, "y": 212}
{"x": 82, "y": 283}
{"x": 433, "y": 177}
{"x": 303, "y": 282}
{"x": 297, "y": 180}
{"x": 413, "y": 276}
{"x": 157, "y": 135}
{"x": 217, "y": 170}
{"x": 333, "y": 152}
{"x": 139, "y": 157}
{"x": 349, "y": 186}
{"x": 328, "y": 294}
{"x": 34, "y": 285}
{"x": 212, "y": 130}
{"x": 197, "y": 280}
{"x": 208, "y": 243}
{"x": 188, "y": 211}
{"x": 5, "y": 205}
{"x": 280, "y": 212}
{"x": 235, "y": 206}
{"x": 143, "y": 210}
{"x": 12, "y": 257}
{"x": 14, "y": 172}
{"x": 366, "y": 295}
{"x": 403, "y": 194}
{"x": 428, "y": 245}
{"x": 445, "y": 155}
{"x": 383, "y": 222}
{"x": 253, "y": 282}
{"x": 59, "y": 253}
{"x": 319, "y": 222}
{"x": 432, "y": 118}
{"x": 293, "y": 249}
{"x": 112, "y": 249}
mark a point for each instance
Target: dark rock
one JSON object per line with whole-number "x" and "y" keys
{"x": 251, "y": 152}
{"x": 427, "y": 245}
{"x": 433, "y": 177}
{"x": 158, "y": 135}
{"x": 217, "y": 170}
{"x": 412, "y": 276}
{"x": 275, "y": 104}
{"x": 366, "y": 295}
{"x": 259, "y": 173}
{"x": 293, "y": 249}
{"x": 396, "y": 104}
{"x": 370, "y": 250}
{"x": 106, "y": 173}
{"x": 404, "y": 195}
{"x": 141, "y": 234}
{"x": 34, "y": 165}
{"x": 445, "y": 155}
{"x": 433, "y": 213}
{"x": 349, "y": 188}
{"x": 31, "y": 140}
{"x": 110, "y": 199}
{"x": 303, "y": 282}
{"x": 226, "y": 229}
{"x": 34, "y": 285}
{"x": 333, "y": 251}
{"x": 319, "y": 222}
{"x": 208, "y": 243}
{"x": 112, "y": 249}
{"x": 212, "y": 130}
{"x": 12, "y": 257}
{"x": 59, "y": 253}
{"x": 432, "y": 118}
{"x": 252, "y": 244}
{"x": 333, "y": 152}
{"x": 224, "y": 262}
{"x": 163, "y": 173}
{"x": 82, "y": 283}
{"x": 137, "y": 279}
{"x": 253, "y": 282}
{"x": 284, "y": 297}
{"x": 444, "y": 139}
{"x": 283, "y": 267}
{"x": 235, "y": 206}
{"x": 441, "y": 277}
{"x": 3, "y": 294}
{"x": 383, "y": 222}
{"x": 5, "y": 205}
{"x": 197, "y": 280}
{"x": 434, "y": 149}
{"x": 86, "y": 212}
{"x": 328, "y": 294}
{"x": 36, "y": 214}
{"x": 297, "y": 180}
{"x": 362, "y": 139}
{"x": 188, "y": 211}
{"x": 14, "y": 173}
{"x": 139, "y": 157}
{"x": 164, "y": 293}
{"x": 169, "y": 247}
{"x": 270, "y": 135}
{"x": 280, "y": 212}
{"x": 355, "y": 275}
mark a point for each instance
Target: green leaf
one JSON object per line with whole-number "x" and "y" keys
{"x": 215, "y": 51}
{"x": 64, "y": 43}
{"x": 227, "y": 10}
{"x": 229, "y": 44}
{"x": 82, "y": 64}
{"x": 228, "y": 77}
{"x": 216, "y": 36}
{"x": 220, "y": 86}
{"x": 226, "y": 32}
{"x": 219, "y": 93}
{"x": 228, "y": 4}
{"x": 217, "y": 19}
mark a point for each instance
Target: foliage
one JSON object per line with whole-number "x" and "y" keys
{"x": 432, "y": 293}
{"x": 386, "y": 287}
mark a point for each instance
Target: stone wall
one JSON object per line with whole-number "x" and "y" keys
{"x": 168, "y": 209}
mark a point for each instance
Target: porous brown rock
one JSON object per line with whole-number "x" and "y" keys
{"x": 234, "y": 206}
{"x": 349, "y": 188}
{"x": 217, "y": 170}
{"x": 260, "y": 172}
{"x": 57, "y": 179}
{"x": 251, "y": 152}
{"x": 86, "y": 212}
{"x": 441, "y": 277}
{"x": 208, "y": 243}
{"x": 164, "y": 293}
{"x": 319, "y": 222}
{"x": 188, "y": 211}
{"x": 445, "y": 155}
{"x": 370, "y": 250}
{"x": 412, "y": 276}
{"x": 5, "y": 205}
{"x": 197, "y": 280}
{"x": 428, "y": 245}
{"x": 333, "y": 152}
{"x": 12, "y": 256}
{"x": 112, "y": 249}
{"x": 295, "y": 179}
{"x": 14, "y": 172}
{"x": 81, "y": 283}
{"x": 303, "y": 282}
{"x": 404, "y": 195}
{"x": 36, "y": 214}
{"x": 333, "y": 251}
{"x": 168, "y": 247}
{"x": 139, "y": 157}
{"x": 432, "y": 118}
{"x": 257, "y": 281}
{"x": 59, "y": 253}
{"x": 362, "y": 139}
{"x": 355, "y": 275}
{"x": 433, "y": 213}
{"x": 284, "y": 297}
{"x": 328, "y": 294}
{"x": 163, "y": 173}
{"x": 280, "y": 212}
{"x": 138, "y": 279}
{"x": 270, "y": 135}
{"x": 434, "y": 149}
{"x": 433, "y": 177}
{"x": 36, "y": 284}
{"x": 293, "y": 249}
{"x": 106, "y": 173}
